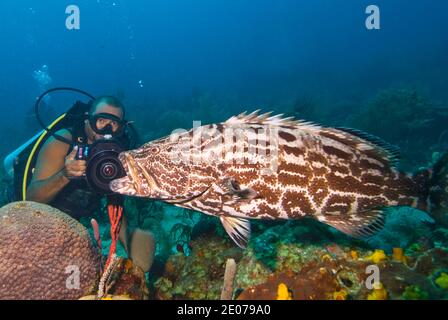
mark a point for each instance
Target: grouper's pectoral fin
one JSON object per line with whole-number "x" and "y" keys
{"x": 235, "y": 193}
{"x": 359, "y": 225}
{"x": 238, "y": 229}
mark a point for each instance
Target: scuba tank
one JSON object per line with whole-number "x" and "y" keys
{"x": 10, "y": 160}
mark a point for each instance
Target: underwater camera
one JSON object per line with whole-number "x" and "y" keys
{"x": 103, "y": 165}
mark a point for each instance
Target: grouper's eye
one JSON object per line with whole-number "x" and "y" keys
{"x": 154, "y": 150}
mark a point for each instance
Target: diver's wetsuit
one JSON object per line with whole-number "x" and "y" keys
{"x": 77, "y": 199}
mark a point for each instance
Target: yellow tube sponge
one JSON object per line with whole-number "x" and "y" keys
{"x": 340, "y": 295}
{"x": 354, "y": 254}
{"x": 378, "y": 293}
{"x": 377, "y": 256}
{"x": 398, "y": 255}
{"x": 283, "y": 292}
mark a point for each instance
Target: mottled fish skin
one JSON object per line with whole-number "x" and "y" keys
{"x": 332, "y": 175}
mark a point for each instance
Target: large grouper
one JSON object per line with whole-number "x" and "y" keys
{"x": 258, "y": 166}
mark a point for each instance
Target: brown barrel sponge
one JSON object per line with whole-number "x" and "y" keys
{"x": 44, "y": 254}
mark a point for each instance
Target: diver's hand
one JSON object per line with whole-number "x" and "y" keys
{"x": 74, "y": 168}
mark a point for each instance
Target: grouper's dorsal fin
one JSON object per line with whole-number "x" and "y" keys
{"x": 268, "y": 119}
{"x": 391, "y": 152}
{"x": 367, "y": 143}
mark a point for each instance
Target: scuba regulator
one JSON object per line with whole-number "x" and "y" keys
{"x": 101, "y": 156}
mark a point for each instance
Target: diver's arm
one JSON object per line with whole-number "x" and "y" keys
{"x": 53, "y": 170}
{"x": 44, "y": 191}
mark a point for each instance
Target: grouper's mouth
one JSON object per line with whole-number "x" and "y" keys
{"x": 137, "y": 182}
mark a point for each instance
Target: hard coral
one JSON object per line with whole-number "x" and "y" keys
{"x": 42, "y": 253}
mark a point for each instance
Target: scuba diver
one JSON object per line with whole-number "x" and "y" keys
{"x": 58, "y": 177}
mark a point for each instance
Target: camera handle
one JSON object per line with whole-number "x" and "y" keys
{"x": 83, "y": 152}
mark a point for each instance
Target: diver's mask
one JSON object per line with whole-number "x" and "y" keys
{"x": 107, "y": 124}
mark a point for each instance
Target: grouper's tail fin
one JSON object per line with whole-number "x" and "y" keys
{"x": 438, "y": 190}
{"x": 432, "y": 184}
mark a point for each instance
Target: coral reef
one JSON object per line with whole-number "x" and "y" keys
{"x": 42, "y": 252}
{"x": 198, "y": 276}
{"x": 122, "y": 280}
{"x": 292, "y": 261}
{"x": 128, "y": 280}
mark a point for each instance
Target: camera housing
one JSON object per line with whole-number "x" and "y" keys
{"x": 103, "y": 165}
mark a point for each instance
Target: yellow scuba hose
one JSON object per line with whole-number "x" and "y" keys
{"x": 33, "y": 151}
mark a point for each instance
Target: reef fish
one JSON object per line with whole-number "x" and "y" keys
{"x": 259, "y": 166}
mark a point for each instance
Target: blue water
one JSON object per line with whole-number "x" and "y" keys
{"x": 240, "y": 54}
